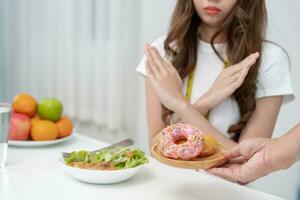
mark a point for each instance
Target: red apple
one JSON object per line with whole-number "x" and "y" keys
{"x": 19, "y": 127}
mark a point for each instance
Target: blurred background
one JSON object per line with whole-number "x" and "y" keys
{"x": 84, "y": 52}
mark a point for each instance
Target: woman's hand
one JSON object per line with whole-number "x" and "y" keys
{"x": 164, "y": 79}
{"x": 227, "y": 82}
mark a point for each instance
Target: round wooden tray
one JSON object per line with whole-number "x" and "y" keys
{"x": 214, "y": 160}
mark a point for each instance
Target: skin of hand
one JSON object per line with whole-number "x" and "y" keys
{"x": 257, "y": 157}
{"x": 168, "y": 84}
{"x": 164, "y": 79}
{"x": 225, "y": 85}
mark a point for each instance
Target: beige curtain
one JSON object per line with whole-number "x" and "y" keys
{"x": 83, "y": 52}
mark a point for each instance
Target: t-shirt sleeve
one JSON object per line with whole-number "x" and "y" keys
{"x": 274, "y": 78}
{"x": 159, "y": 44}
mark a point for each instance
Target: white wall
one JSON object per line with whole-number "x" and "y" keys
{"x": 1, "y": 51}
{"x": 284, "y": 29}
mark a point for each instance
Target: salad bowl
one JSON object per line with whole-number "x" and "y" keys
{"x": 104, "y": 167}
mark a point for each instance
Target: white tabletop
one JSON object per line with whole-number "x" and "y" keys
{"x": 35, "y": 174}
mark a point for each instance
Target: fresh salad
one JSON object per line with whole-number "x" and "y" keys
{"x": 107, "y": 159}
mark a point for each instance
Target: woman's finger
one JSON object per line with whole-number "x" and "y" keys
{"x": 233, "y": 69}
{"x": 157, "y": 59}
{"x": 169, "y": 65}
{"x": 171, "y": 68}
{"x": 152, "y": 65}
{"x": 237, "y": 82}
{"x": 148, "y": 69}
{"x": 233, "y": 78}
{"x": 237, "y": 79}
{"x": 248, "y": 62}
{"x": 238, "y": 67}
{"x": 150, "y": 75}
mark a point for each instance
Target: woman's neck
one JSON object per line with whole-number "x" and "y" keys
{"x": 207, "y": 32}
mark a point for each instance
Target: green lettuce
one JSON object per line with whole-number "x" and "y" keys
{"x": 120, "y": 157}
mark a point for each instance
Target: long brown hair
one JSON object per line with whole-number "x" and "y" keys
{"x": 245, "y": 26}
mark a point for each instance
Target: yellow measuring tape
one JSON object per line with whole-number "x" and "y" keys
{"x": 189, "y": 86}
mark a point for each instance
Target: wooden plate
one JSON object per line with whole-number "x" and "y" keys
{"x": 214, "y": 160}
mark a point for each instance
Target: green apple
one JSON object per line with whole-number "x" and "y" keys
{"x": 50, "y": 109}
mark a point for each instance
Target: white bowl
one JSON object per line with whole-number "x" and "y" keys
{"x": 100, "y": 176}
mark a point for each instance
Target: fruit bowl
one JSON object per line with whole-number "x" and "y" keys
{"x": 38, "y": 123}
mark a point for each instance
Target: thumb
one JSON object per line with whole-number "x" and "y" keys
{"x": 252, "y": 146}
{"x": 232, "y": 153}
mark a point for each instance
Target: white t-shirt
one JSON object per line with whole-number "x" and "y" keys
{"x": 273, "y": 79}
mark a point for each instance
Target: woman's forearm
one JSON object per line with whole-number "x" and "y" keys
{"x": 189, "y": 114}
{"x": 202, "y": 105}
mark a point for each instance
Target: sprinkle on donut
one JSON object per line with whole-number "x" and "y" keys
{"x": 185, "y": 151}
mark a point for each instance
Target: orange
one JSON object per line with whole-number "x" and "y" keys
{"x": 35, "y": 119}
{"x": 24, "y": 103}
{"x": 65, "y": 127}
{"x": 44, "y": 130}
{"x": 210, "y": 146}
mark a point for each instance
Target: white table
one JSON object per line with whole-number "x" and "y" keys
{"x": 35, "y": 174}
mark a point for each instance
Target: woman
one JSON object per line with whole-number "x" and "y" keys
{"x": 218, "y": 72}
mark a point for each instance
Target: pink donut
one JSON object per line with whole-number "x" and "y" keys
{"x": 185, "y": 151}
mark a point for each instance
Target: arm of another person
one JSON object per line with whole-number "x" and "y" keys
{"x": 260, "y": 157}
